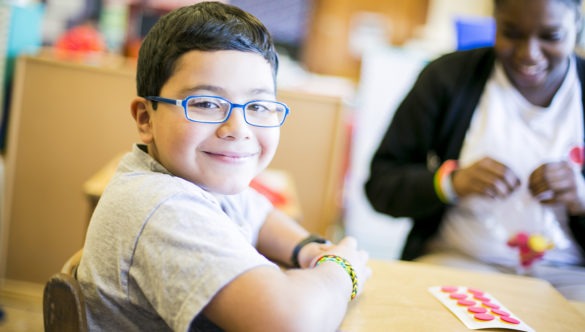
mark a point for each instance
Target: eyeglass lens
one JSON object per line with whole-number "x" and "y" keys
{"x": 211, "y": 109}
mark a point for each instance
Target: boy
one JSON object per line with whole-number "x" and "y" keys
{"x": 178, "y": 241}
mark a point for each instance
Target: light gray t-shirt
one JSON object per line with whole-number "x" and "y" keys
{"x": 158, "y": 248}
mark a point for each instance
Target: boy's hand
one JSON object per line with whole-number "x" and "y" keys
{"x": 486, "y": 177}
{"x": 559, "y": 182}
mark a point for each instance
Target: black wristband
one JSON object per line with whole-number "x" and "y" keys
{"x": 295, "y": 253}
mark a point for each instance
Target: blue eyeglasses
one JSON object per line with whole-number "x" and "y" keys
{"x": 213, "y": 109}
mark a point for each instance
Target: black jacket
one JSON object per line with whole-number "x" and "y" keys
{"x": 428, "y": 128}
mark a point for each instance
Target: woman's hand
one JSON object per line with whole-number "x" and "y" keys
{"x": 559, "y": 182}
{"x": 486, "y": 177}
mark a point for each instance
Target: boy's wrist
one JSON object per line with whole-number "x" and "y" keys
{"x": 297, "y": 249}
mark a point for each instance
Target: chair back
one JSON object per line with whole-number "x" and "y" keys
{"x": 63, "y": 303}
{"x": 70, "y": 266}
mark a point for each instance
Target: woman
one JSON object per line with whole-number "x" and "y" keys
{"x": 485, "y": 151}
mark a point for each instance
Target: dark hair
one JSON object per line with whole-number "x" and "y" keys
{"x": 205, "y": 26}
{"x": 576, "y": 3}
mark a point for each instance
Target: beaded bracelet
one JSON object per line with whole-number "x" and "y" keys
{"x": 346, "y": 266}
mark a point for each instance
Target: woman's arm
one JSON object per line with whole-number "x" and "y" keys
{"x": 400, "y": 182}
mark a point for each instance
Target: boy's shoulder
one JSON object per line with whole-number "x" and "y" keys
{"x": 138, "y": 175}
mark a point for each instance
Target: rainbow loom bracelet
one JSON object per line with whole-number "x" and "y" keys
{"x": 444, "y": 171}
{"x": 346, "y": 266}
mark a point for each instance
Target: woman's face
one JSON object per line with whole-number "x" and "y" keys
{"x": 534, "y": 40}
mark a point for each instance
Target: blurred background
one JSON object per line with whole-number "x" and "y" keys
{"x": 67, "y": 78}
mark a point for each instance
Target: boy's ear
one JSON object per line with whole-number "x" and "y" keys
{"x": 141, "y": 115}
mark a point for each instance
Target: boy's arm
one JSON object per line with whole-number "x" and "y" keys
{"x": 269, "y": 299}
{"x": 278, "y": 237}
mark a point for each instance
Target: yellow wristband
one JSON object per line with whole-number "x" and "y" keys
{"x": 346, "y": 266}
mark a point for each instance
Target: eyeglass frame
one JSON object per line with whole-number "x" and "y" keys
{"x": 183, "y": 104}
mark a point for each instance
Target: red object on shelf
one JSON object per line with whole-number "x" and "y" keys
{"x": 277, "y": 198}
{"x": 81, "y": 39}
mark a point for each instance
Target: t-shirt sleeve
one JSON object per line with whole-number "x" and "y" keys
{"x": 186, "y": 252}
{"x": 254, "y": 210}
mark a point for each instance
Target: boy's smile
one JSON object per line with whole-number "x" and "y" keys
{"x": 222, "y": 158}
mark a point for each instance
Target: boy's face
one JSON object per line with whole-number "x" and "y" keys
{"x": 221, "y": 158}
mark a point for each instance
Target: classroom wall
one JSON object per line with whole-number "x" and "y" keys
{"x": 338, "y": 26}
{"x": 440, "y": 28}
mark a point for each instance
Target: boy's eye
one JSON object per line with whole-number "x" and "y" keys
{"x": 204, "y": 105}
{"x": 256, "y": 107}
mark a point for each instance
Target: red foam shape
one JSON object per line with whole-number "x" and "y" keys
{"x": 483, "y": 317}
{"x": 509, "y": 319}
{"x": 477, "y": 310}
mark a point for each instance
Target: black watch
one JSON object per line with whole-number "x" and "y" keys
{"x": 295, "y": 253}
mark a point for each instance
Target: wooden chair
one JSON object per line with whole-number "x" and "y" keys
{"x": 63, "y": 303}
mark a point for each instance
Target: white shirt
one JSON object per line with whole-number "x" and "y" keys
{"x": 508, "y": 128}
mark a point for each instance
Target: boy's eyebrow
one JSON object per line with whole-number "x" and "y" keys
{"x": 221, "y": 91}
{"x": 191, "y": 90}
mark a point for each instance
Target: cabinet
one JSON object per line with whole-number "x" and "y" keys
{"x": 66, "y": 121}
{"x": 69, "y": 119}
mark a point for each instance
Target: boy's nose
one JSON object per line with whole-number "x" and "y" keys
{"x": 235, "y": 126}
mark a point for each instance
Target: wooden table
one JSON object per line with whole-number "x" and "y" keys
{"x": 396, "y": 298}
